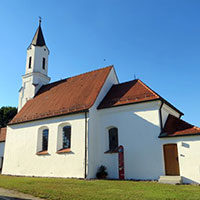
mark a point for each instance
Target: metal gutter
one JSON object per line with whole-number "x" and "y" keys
{"x": 86, "y": 145}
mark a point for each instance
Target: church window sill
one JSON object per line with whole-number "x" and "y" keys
{"x": 68, "y": 150}
{"x": 111, "y": 151}
{"x": 42, "y": 153}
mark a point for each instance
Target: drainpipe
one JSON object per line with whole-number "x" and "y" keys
{"x": 160, "y": 114}
{"x": 86, "y": 146}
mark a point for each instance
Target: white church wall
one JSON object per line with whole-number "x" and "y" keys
{"x": 23, "y": 138}
{"x": 138, "y": 130}
{"x": 2, "y": 145}
{"x": 93, "y": 127}
{"x": 25, "y": 94}
{"x": 188, "y": 156}
{"x": 165, "y": 111}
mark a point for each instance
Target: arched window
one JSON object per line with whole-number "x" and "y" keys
{"x": 66, "y": 136}
{"x": 43, "y": 63}
{"x": 113, "y": 139}
{"x": 45, "y": 136}
{"x": 29, "y": 64}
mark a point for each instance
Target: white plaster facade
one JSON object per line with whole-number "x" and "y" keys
{"x": 22, "y": 160}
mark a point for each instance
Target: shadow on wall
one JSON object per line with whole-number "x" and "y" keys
{"x": 143, "y": 151}
{"x": 189, "y": 181}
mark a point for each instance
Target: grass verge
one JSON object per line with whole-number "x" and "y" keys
{"x": 73, "y": 189}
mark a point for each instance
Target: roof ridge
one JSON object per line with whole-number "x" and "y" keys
{"x": 51, "y": 100}
{"x": 110, "y": 66}
{"x": 125, "y": 82}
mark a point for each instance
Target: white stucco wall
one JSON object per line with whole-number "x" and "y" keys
{"x": 22, "y": 145}
{"x": 2, "y": 145}
{"x": 94, "y": 144}
{"x": 138, "y": 130}
{"x": 188, "y": 155}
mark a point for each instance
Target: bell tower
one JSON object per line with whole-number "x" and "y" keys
{"x": 36, "y": 73}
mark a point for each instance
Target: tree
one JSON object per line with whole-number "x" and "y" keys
{"x": 6, "y": 115}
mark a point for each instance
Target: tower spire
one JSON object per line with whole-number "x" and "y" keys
{"x": 38, "y": 39}
{"x": 36, "y": 73}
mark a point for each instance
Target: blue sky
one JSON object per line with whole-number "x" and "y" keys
{"x": 156, "y": 40}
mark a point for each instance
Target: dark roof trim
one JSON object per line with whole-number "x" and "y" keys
{"x": 165, "y": 101}
{"x": 161, "y": 99}
{"x": 170, "y": 105}
{"x": 183, "y": 135}
{"x": 75, "y": 112}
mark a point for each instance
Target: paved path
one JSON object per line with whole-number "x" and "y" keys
{"x": 13, "y": 195}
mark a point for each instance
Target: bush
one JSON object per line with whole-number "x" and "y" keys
{"x": 101, "y": 173}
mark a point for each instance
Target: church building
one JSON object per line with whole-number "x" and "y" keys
{"x": 71, "y": 127}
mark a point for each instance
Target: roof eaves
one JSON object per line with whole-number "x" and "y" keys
{"x": 165, "y": 135}
{"x": 125, "y": 104}
{"x": 48, "y": 117}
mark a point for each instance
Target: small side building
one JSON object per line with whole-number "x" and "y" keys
{"x": 2, "y": 145}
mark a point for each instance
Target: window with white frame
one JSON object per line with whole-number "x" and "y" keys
{"x": 42, "y": 141}
{"x": 45, "y": 136}
{"x": 64, "y": 138}
{"x": 66, "y": 135}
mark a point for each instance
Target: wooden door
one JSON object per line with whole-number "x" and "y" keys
{"x": 171, "y": 160}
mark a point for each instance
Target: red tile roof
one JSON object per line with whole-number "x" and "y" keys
{"x": 131, "y": 92}
{"x": 3, "y": 134}
{"x": 177, "y": 127}
{"x": 126, "y": 93}
{"x": 70, "y": 95}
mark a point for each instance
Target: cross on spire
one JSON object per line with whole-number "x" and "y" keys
{"x": 40, "y": 20}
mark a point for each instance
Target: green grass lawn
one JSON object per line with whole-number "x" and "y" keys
{"x": 70, "y": 189}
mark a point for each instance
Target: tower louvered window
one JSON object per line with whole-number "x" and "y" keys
{"x": 29, "y": 64}
{"x": 43, "y": 63}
